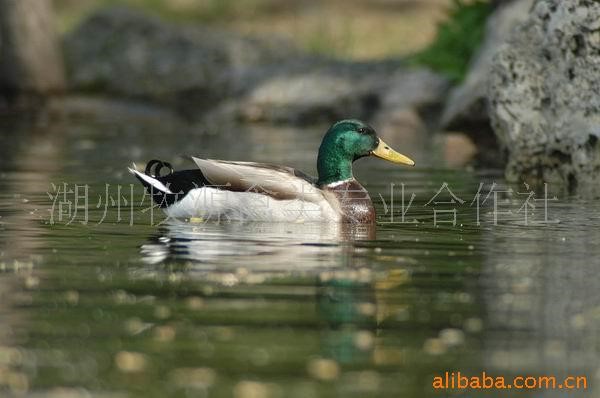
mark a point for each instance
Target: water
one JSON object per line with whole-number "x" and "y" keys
{"x": 136, "y": 307}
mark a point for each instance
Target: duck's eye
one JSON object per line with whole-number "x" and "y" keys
{"x": 362, "y": 130}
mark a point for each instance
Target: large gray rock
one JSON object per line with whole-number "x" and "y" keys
{"x": 319, "y": 91}
{"x": 410, "y": 103}
{"x": 466, "y": 107}
{"x": 307, "y": 97}
{"x": 127, "y": 53}
{"x": 545, "y": 96}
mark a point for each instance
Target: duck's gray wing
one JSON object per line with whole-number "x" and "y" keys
{"x": 279, "y": 182}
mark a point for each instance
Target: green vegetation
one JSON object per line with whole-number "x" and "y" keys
{"x": 457, "y": 39}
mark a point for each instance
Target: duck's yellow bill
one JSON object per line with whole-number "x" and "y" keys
{"x": 384, "y": 151}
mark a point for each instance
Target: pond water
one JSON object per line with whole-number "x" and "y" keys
{"x": 105, "y": 298}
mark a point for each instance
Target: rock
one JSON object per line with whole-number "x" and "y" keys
{"x": 130, "y": 54}
{"x": 466, "y": 107}
{"x": 403, "y": 125}
{"x": 30, "y": 60}
{"x": 459, "y": 150}
{"x": 381, "y": 92}
{"x": 317, "y": 91}
{"x": 544, "y": 100}
{"x": 411, "y": 102}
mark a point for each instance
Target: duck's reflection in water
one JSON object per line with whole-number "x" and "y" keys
{"x": 347, "y": 308}
{"x": 329, "y": 255}
{"x": 262, "y": 246}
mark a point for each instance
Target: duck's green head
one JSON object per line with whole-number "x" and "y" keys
{"x": 347, "y": 141}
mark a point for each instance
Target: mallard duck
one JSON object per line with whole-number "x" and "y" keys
{"x": 231, "y": 190}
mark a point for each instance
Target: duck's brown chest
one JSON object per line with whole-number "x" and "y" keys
{"x": 355, "y": 202}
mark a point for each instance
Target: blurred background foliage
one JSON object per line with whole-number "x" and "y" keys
{"x": 441, "y": 34}
{"x": 457, "y": 39}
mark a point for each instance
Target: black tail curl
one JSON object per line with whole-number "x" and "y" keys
{"x": 178, "y": 182}
{"x": 154, "y": 167}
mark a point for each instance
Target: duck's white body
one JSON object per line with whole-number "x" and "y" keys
{"x": 212, "y": 203}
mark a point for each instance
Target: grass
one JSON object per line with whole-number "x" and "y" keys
{"x": 457, "y": 39}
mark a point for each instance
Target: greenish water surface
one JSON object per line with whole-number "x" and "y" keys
{"x": 130, "y": 305}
